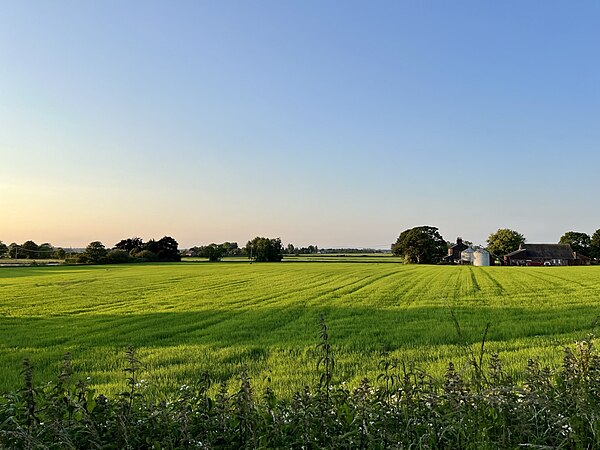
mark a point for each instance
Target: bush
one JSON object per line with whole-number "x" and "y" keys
{"x": 146, "y": 256}
{"x": 117, "y": 257}
{"x": 82, "y": 259}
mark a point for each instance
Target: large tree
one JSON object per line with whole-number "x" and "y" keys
{"x": 46, "y": 251}
{"x": 168, "y": 249}
{"x": 95, "y": 252}
{"x": 213, "y": 252}
{"x": 3, "y": 249}
{"x": 421, "y": 245}
{"x": 134, "y": 243}
{"x": 504, "y": 241}
{"x": 29, "y": 250}
{"x": 595, "y": 245}
{"x": 264, "y": 249}
{"x": 13, "y": 250}
{"x": 579, "y": 242}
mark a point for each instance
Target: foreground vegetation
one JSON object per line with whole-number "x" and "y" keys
{"x": 480, "y": 408}
{"x": 185, "y": 318}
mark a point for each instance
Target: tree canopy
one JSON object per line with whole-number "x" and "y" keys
{"x": 595, "y": 244}
{"x": 29, "y": 250}
{"x": 213, "y": 252}
{"x": 504, "y": 241}
{"x": 168, "y": 249}
{"x": 579, "y": 242}
{"x": 134, "y": 243}
{"x": 3, "y": 249}
{"x": 95, "y": 252}
{"x": 421, "y": 245}
{"x": 263, "y": 249}
{"x": 165, "y": 249}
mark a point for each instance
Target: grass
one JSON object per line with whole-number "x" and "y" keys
{"x": 189, "y": 317}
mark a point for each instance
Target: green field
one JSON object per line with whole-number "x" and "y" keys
{"x": 189, "y": 317}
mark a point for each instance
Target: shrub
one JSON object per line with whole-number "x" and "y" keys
{"x": 481, "y": 407}
{"x": 117, "y": 257}
{"x": 82, "y": 259}
{"x": 146, "y": 256}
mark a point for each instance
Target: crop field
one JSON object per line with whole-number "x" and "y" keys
{"x": 187, "y": 318}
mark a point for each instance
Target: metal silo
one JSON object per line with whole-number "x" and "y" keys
{"x": 481, "y": 258}
{"x": 466, "y": 256}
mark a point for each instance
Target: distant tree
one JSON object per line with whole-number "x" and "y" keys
{"x": 3, "y": 249}
{"x": 46, "y": 251}
{"x": 95, "y": 252}
{"x": 194, "y": 251}
{"x": 152, "y": 246}
{"x": 231, "y": 249}
{"x": 504, "y": 241}
{"x": 60, "y": 253}
{"x": 13, "y": 250}
{"x": 595, "y": 245}
{"x": 82, "y": 258}
{"x": 579, "y": 242}
{"x": 130, "y": 244}
{"x": 310, "y": 250}
{"x": 213, "y": 252}
{"x": 168, "y": 249}
{"x": 421, "y": 245}
{"x": 29, "y": 250}
{"x": 263, "y": 249}
{"x": 226, "y": 249}
{"x": 290, "y": 249}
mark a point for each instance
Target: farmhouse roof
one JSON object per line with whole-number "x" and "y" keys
{"x": 547, "y": 251}
{"x": 459, "y": 244}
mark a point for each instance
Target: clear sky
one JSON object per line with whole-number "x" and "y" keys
{"x": 320, "y": 122}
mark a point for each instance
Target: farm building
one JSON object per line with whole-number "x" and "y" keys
{"x": 455, "y": 250}
{"x": 545, "y": 255}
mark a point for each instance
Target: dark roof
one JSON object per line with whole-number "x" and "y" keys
{"x": 516, "y": 253}
{"x": 543, "y": 251}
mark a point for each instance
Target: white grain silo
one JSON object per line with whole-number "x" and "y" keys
{"x": 481, "y": 258}
{"x": 466, "y": 256}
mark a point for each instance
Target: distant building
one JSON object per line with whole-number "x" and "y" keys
{"x": 545, "y": 255}
{"x": 455, "y": 250}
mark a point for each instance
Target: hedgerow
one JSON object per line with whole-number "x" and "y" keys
{"x": 477, "y": 407}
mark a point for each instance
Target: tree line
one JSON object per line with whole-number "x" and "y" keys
{"x": 127, "y": 250}
{"x": 132, "y": 250}
{"x": 421, "y": 245}
{"x": 264, "y": 249}
{"x": 259, "y": 249}
{"x": 31, "y": 250}
{"x": 425, "y": 245}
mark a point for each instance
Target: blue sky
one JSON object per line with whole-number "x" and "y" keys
{"x": 328, "y": 123}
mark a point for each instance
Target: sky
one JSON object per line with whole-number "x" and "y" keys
{"x": 338, "y": 124}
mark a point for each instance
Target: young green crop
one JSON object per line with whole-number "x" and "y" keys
{"x": 190, "y": 317}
